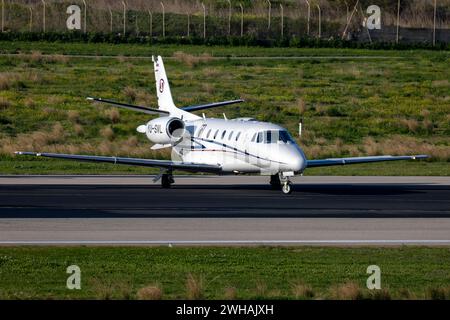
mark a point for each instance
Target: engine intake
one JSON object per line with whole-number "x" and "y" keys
{"x": 165, "y": 130}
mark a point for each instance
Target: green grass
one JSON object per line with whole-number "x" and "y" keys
{"x": 108, "y": 49}
{"x": 358, "y": 106}
{"x": 40, "y": 272}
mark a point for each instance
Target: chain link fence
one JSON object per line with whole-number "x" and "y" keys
{"x": 400, "y": 21}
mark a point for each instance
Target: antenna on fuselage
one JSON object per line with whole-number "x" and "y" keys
{"x": 224, "y": 116}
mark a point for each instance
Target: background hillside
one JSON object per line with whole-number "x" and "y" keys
{"x": 353, "y": 102}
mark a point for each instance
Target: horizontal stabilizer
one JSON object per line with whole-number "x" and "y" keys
{"x": 211, "y": 105}
{"x": 130, "y": 106}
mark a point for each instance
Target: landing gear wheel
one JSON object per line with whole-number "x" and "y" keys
{"x": 286, "y": 188}
{"x": 275, "y": 182}
{"x": 166, "y": 180}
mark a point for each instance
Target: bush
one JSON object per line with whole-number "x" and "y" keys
{"x": 247, "y": 40}
{"x": 153, "y": 292}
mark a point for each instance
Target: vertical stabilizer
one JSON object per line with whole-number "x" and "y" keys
{"x": 165, "y": 101}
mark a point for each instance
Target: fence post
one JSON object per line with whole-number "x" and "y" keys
{"x": 188, "y": 24}
{"x": 151, "y": 22}
{"x": 163, "y": 19}
{"x": 204, "y": 20}
{"x": 346, "y": 5}
{"x": 349, "y": 20}
{"x": 229, "y": 17}
{"x": 308, "y": 17}
{"x": 43, "y": 16}
{"x": 124, "y": 18}
{"x": 434, "y": 23}
{"x": 136, "y": 22}
{"x": 31, "y": 18}
{"x": 3, "y": 15}
{"x": 320, "y": 21}
{"x": 282, "y": 20}
{"x": 85, "y": 14}
{"x": 110, "y": 19}
{"x": 268, "y": 19}
{"x": 365, "y": 23}
{"x": 242, "y": 19}
{"x": 398, "y": 20}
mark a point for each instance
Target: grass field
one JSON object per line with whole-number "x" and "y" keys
{"x": 218, "y": 273}
{"x": 369, "y": 103}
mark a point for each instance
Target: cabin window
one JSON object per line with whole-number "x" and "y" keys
{"x": 231, "y": 135}
{"x": 224, "y": 133}
{"x": 215, "y": 134}
{"x": 260, "y": 137}
{"x": 238, "y": 135}
{"x": 254, "y": 137}
{"x": 200, "y": 132}
{"x": 209, "y": 132}
{"x": 268, "y": 137}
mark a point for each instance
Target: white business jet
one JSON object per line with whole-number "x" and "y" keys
{"x": 219, "y": 146}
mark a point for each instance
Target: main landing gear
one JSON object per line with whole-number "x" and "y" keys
{"x": 279, "y": 181}
{"x": 167, "y": 180}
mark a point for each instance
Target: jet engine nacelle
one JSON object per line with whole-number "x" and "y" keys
{"x": 165, "y": 130}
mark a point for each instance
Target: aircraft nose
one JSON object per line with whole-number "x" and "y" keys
{"x": 297, "y": 161}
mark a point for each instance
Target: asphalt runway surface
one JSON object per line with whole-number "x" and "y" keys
{"x": 224, "y": 210}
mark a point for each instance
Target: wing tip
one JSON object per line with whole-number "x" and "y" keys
{"x": 26, "y": 153}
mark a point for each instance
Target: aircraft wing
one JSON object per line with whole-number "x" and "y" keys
{"x": 164, "y": 164}
{"x": 355, "y": 160}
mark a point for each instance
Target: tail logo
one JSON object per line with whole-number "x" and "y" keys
{"x": 161, "y": 85}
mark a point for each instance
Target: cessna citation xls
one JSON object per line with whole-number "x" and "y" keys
{"x": 220, "y": 146}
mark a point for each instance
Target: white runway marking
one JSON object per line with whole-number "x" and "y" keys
{"x": 218, "y": 242}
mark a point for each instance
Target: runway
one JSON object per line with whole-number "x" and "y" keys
{"x": 224, "y": 210}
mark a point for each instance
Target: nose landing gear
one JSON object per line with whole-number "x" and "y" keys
{"x": 286, "y": 188}
{"x": 279, "y": 181}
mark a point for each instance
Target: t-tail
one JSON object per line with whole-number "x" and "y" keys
{"x": 165, "y": 101}
{"x": 166, "y": 106}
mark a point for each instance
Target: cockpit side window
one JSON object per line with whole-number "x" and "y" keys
{"x": 285, "y": 137}
{"x": 254, "y": 137}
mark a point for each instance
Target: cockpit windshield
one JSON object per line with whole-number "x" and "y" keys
{"x": 273, "y": 136}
